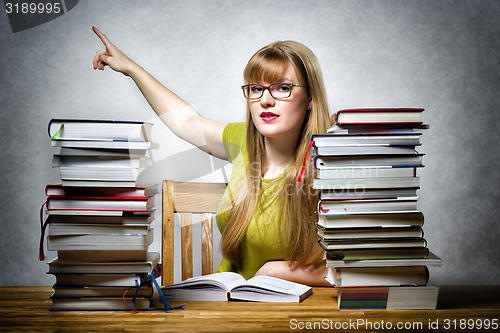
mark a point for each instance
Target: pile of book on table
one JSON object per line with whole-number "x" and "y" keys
{"x": 369, "y": 224}
{"x": 98, "y": 219}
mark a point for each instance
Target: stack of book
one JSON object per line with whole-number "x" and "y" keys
{"x": 369, "y": 224}
{"x": 98, "y": 218}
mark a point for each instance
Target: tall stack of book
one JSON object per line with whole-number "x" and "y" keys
{"x": 369, "y": 224}
{"x": 98, "y": 219}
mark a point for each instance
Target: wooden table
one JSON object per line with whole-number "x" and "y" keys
{"x": 26, "y": 309}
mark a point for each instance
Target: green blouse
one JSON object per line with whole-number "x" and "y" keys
{"x": 263, "y": 240}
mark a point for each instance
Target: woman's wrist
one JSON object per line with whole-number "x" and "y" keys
{"x": 133, "y": 70}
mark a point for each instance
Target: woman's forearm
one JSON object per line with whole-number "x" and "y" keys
{"x": 180, "y": 117}
{"x": 308, "y": 275}
{"x": 176, "y": 113}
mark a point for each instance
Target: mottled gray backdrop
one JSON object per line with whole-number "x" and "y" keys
{"x": 439, "y": 55}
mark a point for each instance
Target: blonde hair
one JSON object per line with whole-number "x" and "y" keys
{"x": 296, "y": 200}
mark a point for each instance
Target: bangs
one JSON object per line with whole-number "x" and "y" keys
{"x": 267, "y": 65}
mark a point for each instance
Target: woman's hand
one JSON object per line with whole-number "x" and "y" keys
{"x": 111, "y": 56}
{"x": 309, "y": 275}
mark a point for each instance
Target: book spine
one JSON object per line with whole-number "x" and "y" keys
{"x": 381, "y": 109}
{"x": 61, "y": 120}
{"x": 314, "y": 159}
{"x": 336, "y": 117}
{"x": 48, "y": 128}
{"x": 114, "y": 198}
{"x": 382, "y": 123}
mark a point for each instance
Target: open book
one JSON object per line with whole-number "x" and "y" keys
{"x": 228, "y": 285}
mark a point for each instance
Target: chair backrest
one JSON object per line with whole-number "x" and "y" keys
{"x": 187, "y": 198}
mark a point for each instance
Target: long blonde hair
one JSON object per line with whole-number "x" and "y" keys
{"x": 297, "y": 202}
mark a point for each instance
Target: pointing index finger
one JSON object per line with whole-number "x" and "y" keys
{"x": 103, "y": 37}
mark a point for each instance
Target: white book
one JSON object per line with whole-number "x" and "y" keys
{"x": 326, "y": 140}
{"x": 79, "y": 219}
{"x": 369, "y": 172}
{"x": 133, "y": 145}
{"x": 365, "y": 150}
{"x": 360, "y": 234}
{"x": 66, "y": 229}
{"x": 100, "y": 291}
{"x": 76, "y": 161}
{"x": 93, "y": 256}
{"x": 97, "y": 183}
{"x": 367, "y": 193}
{"x": 333, "y": 207}
{"x": 102, "y": 213}
{"x": 430, "y": 260}
{"x": 228, "y": 285}
{"x": 388, "y": 298}
{"x": 98, "y": 129}
{"x": 411, "y": 219}
{"x": 57, "y": 266}
{"x": 71, "y": 151}
{"x": 100, "y": 242}
{"x": 137, "y": 192}
{"x": 384, "y": 129}
{"x": 325, "y": 162}
{"x": 415, "y": 298}
{"x": 365, "y": 183}
{"x": 371, "y": 244}
{"x": 101, "y": 279}
{"x": 55, "y": 203}
{"x": 99, "y": 174}
{"x": 379, "y": 116}
{"x": 380, "y": 276}
{"x": 99, "y": 303}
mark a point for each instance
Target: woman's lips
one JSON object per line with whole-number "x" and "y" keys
{"x": 268, "y": 116}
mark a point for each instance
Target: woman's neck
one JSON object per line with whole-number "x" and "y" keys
{"x": 280, "y": 152}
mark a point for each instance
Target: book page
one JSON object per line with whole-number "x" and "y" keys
{"x": 330, "y": 277}
{"x": 274, "y": 285}
{"x": 224, "y": 280}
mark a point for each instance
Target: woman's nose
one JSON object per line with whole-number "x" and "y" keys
{"x": 267, "y": 99}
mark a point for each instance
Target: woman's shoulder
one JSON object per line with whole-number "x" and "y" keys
{"x": 234, "y": 138}
{"x": 234, "y": 132}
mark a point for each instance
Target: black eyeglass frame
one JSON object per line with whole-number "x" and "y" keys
{"x": 246, "y": 86}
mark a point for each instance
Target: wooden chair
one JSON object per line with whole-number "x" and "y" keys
{"x": 187, "y": 198}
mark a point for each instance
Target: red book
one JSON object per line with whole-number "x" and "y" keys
{"x": 374, "y": 116}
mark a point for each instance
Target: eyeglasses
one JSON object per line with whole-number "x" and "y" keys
{"x": 277, "y": 90}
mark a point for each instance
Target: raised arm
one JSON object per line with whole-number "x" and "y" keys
{"x": 178, "y": 115}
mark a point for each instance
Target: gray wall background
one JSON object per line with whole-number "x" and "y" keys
{"x": 439, "y": 55}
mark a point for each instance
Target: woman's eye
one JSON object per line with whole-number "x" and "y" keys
{"x": 284, "y": 88}
{"x": 255, "y": 89}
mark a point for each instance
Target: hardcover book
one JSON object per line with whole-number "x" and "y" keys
{"x": 99, "y": 130}
{"x": 379, "y": 116}
{"x": 388, "y": 298}
{"x": 232, "y": 286}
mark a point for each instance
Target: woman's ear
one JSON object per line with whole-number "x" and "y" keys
{"x": 310, "y": 105}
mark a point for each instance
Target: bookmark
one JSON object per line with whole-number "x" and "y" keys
{"x": 131, "y": 304}
{"x": 54, "y": 137}
{"x": 41, "y": 254}
{"x": 299, "y": 178}
{"x": 166, "y": 305}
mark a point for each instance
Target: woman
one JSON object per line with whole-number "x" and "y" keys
{"x": 267, "y": 218}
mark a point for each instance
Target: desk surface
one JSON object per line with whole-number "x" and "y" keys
{"x": 27, "y": 309}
